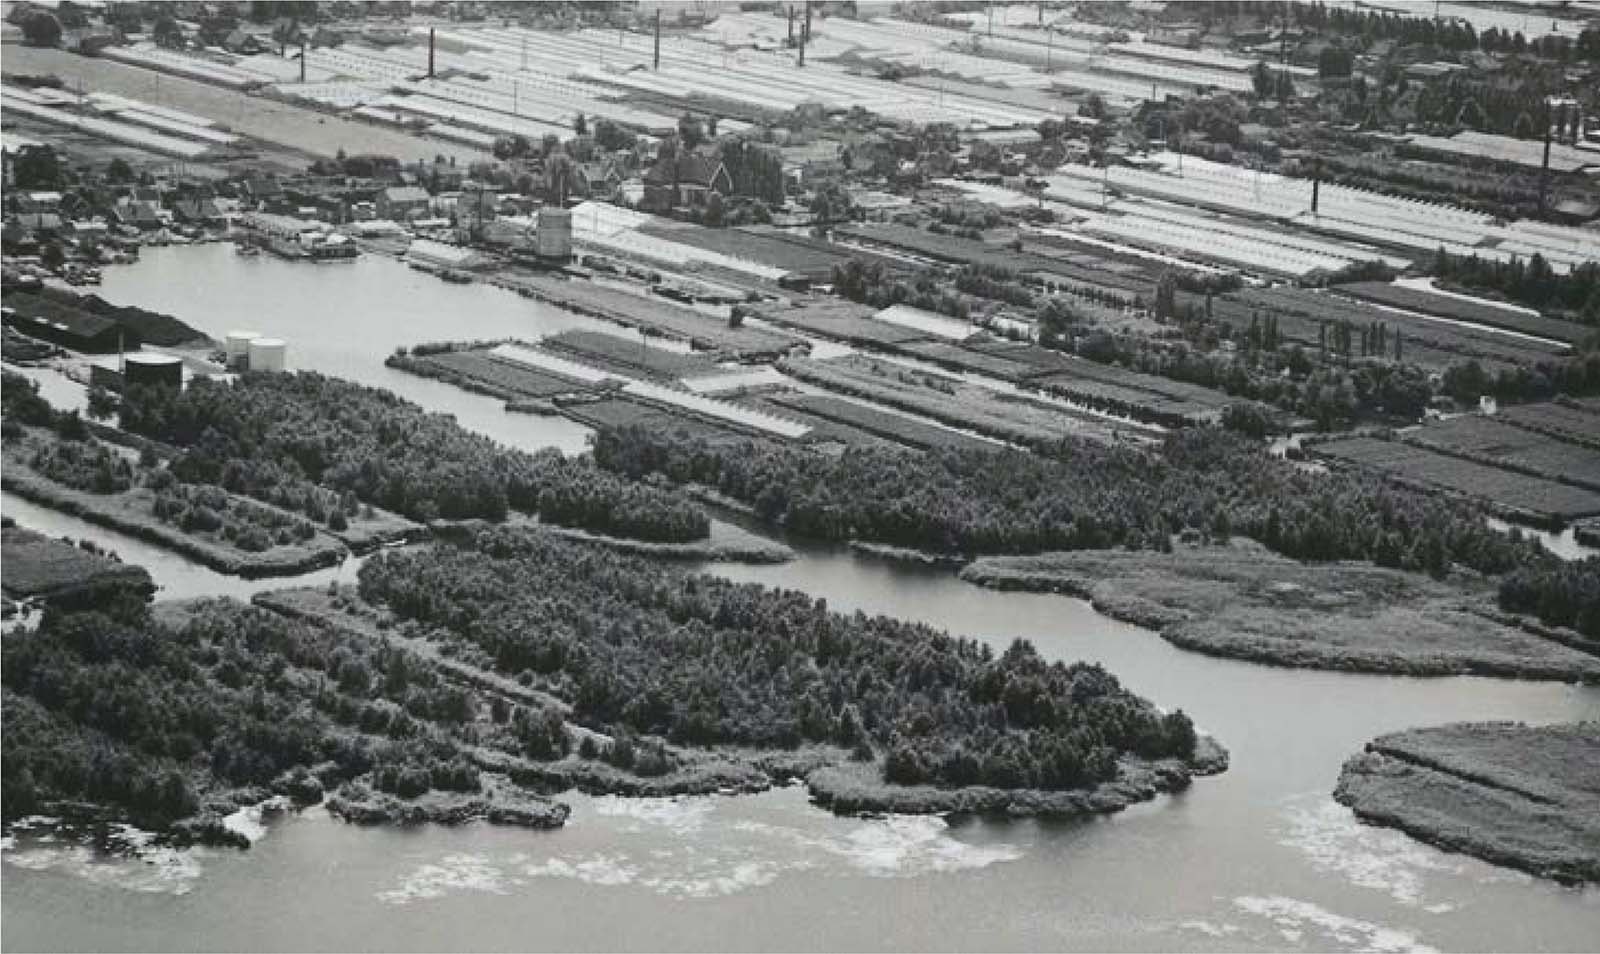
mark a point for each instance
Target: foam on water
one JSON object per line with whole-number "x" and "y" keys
{"x": 1382, "y": 859}
{"x": 451, "y": 874}
{"x": 249, "y": 821}
{"x": 667, "y": 852}
{"x": 150, "y": 870}
{"x": 681, "y": 816}
{"x": 1293, "y": 917}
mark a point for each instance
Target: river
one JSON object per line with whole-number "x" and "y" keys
{"x": 1257, "y": 858}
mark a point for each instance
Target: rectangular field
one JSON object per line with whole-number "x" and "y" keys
{"x": 1560, "y": 421}
{"x": 1419, "y": 467}
{"x": 499, "y": 375}
{"x": 629, "y": 357}
{"x": 617, "y": 412}
{"x": 892, "y": 427}
{"x": 1458, "y": 309}
{"x": 840, "y": 320}
{"x": 1499, "y": 444}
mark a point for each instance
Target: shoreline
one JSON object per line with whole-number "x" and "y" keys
{"x": 1243, "y": 602}
{"x": 1512, "y": 795}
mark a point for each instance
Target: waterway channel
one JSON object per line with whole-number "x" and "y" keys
{"x": 1257, "y": 858}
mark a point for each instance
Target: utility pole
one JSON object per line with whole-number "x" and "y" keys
{"x": 791, "y": 24}
{"x": 1316, "y": 183}
{"x": 302, "y": 59}
{"x": 1544, "y": 169}
{"x": 805, "y": 34}
{"x": 430, "y": 52}
{"x": 657, "y": 61}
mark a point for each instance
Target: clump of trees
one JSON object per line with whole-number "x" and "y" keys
{"x": 154, "y": 719}
{"x": 1528, "y": 281}
{"x": 1559, "y": 593}
{"x": 651, "y": 651}
{"x": 281, "y": 433}
{"x": 1082, "y": 495}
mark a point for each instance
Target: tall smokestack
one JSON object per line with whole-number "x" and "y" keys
{"x": 430, "y": 52}
{"x": 302, "y": 60}
{"x": 658, "y": 39}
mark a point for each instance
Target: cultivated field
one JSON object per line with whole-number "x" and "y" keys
{"x": 480, "y": 370}
{"x": 1490, "y": 441}
{"x": 1562, "y": 421}
{"x": 893, "y": 427}
{"x": 1516, "y": 494}
{"x": 1459, "y": 309}
{"x": 950, "y": 401}
{"x": 839, "y": 320}
{"x": 629, "y": 357}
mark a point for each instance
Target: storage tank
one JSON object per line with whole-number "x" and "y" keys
{"x": 164, "y": 370}
{"x": 267, "y": 354}
{"x": 237, "y": 347}
{"x": 554, "y": 238}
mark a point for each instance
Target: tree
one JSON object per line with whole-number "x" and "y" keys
{"x": 580, "y": 126}
{"x": 38, "y": 167}
{"x": 167, "y": 33}
{"x": 690, "y": 131}
{"x": 1335, "y": 62}
{"x": 41, "y": 28}
{"x": 714, "y": 210}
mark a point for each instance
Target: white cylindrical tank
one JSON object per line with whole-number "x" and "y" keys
{"x": 267, "y": 354}
{"x": 237, "y": 346}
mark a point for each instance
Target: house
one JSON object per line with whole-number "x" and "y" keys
{"x": 202, "y": 212}
{"x": 140, "y": 215}
{"x": 245, "y": 44}
{"x": 68, "y": 327}
{"x": 402, "y": 202}
{"x": 597, "y": 180}
{"x": 40, "y": 224}
{"x": 686, "y": 179}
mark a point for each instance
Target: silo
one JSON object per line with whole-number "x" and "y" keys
{"x": 238, "y": 347}
{"x": 554, "y": 239}
{"x": 267, "y": 354}
{"x": 159, "y": 369}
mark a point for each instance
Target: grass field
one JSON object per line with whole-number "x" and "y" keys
{"x": 892, "y": 427}
{"x": 1500, "y": 444}
{"x": 1516, "y": 494}
{"x": 629, "y": 357}
{"x": 951, "y": 401}
{"x": 34, "y": 566}
{"x": 1242, "y": 601}
{"x": 1446, "y": 306}
{"x": 1564, "y": 422}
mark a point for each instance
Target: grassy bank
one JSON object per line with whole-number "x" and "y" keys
{"x": 1524, "y": 797}
{"x": 36, "y": 567}
{"x": 1242, "y": 602}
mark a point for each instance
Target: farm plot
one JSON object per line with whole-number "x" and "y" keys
{"x": 839, "y": 320}
{"x": 629, "y": 357}
{"x": 1439, "y": 344}
{"x": 1560, "y": 421}
{"x": 1493, "y": 442}
{"x": 799, "y": 254}
{"x": 950, "y": 401}
{"x": 653, "y": 316}
{"x": 885, "y": 426}
{"x": 1458, "y": 309}
{"x": 1516, "y": 494}
{"x": 959, "y": 358}
{"x": 481, "y": 370}
{"x": 1145, "y": 397}
{"x": 618, "y": 412}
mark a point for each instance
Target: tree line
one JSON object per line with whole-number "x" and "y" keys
{"x": 268, "y": 429}
{"x": 1081, "y": 495}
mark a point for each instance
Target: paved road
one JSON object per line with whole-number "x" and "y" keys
{"x": 307, "y": 130}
